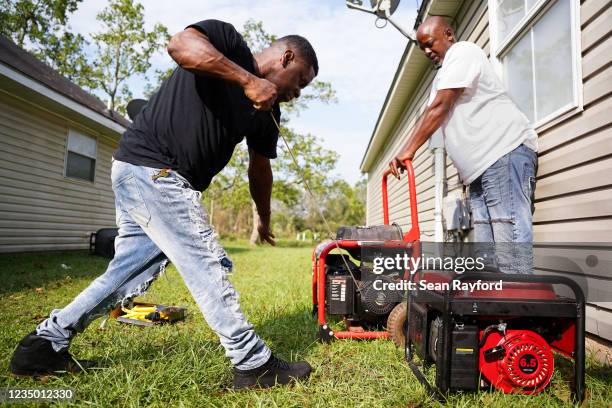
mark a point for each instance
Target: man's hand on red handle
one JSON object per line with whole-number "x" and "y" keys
{"x": 262, "y": 92}
{"x": 397, "y": 165}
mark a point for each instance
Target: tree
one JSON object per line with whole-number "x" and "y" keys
{"x": 66, "y": 55}
{"x": 34, "y": 21}
{"x": 160, "y": 76}
{"x": 345, "y": 204}
{"x": 41, "y": 27}
{"x": 314, "y": 164}
{"x": 123, "y": 48}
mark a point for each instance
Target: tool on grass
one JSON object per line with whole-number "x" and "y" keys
{"x": 148, "y": 314}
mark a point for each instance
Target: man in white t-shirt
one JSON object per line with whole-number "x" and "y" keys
{"x": 490, "y": 141}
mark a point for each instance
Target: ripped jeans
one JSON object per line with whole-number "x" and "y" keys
{"x": 160, "y": 218}
{"x": 502, "y": 206}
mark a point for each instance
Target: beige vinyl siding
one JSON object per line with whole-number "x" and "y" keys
{"x": 574, "y": 187}
{"x": 40, "y": 209}
{"x": 574, "y": 180}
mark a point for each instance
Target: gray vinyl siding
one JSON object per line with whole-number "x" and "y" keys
{"x": 574, "y": 189}
{"x": 574, "y": 180}
{"x": 40, "y": 209}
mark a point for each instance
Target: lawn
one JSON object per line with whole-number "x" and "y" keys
{"x": 183, "y": 364}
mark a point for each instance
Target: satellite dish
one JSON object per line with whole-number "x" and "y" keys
{"x": 134, "y": 107}
{"x": 382, "y": 9}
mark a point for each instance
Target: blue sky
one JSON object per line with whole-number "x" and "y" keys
{"x": 356, "y": 57}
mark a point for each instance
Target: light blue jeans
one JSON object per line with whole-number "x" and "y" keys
{"x": 502, "y": 207}
{"x": 160, "y": 218}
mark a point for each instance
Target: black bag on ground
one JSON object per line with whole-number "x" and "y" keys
{"x": 102, "y": 243}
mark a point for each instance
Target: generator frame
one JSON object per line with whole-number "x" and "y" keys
{"x": 448, "y": 306}
{"x": 410, "y": 238}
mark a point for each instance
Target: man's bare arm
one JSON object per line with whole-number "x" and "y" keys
{"x": 260, "y": 186}
{"x": 432, "y": 119}
{"x": 193, "y": 51}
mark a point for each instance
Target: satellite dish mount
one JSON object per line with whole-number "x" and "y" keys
{"x": 382, "y": 9}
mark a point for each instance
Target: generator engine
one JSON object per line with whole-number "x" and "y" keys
{"x": 355, "y": 295}
{"x": 513, "y": 354}
{"x": 514, "y": 361}
{"x": 519, "y": 361}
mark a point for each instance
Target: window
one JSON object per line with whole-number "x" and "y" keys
{"x": 81, "y": 156}
{"x": 535, "y": 48}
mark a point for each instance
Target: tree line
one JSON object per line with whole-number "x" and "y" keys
{"x": 103, "y": 62}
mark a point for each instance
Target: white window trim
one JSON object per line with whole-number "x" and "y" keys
{"x": 500, "y": 48}
{"x": 74, "y": 179}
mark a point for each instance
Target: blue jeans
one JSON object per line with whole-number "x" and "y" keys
{"x": 161, "y": 219}
{"x": 502, "y": 207}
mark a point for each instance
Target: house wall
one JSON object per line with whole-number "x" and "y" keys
{"x": 574, "y": 180}
{"x": 40, "y": 209}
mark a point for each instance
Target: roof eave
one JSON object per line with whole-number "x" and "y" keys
{"x": 34, "y": 91}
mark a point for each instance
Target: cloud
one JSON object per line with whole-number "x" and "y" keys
{"x": 358, "y": 59}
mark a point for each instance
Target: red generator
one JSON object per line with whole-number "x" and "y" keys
{"x": 502, "y": 339}
{"x": 342, "y": 285}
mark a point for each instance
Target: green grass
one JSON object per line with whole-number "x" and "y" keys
{"x": 184, "y": 365}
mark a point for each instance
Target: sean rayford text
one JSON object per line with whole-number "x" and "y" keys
{"x": 404, "y": 285}
{"x": 405, "y": 262}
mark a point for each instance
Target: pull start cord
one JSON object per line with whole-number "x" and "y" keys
{"x": 313, "y": 198}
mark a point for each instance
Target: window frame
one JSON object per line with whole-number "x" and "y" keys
{"x": 499, "y": 49}
{"x": 66, "y": 150}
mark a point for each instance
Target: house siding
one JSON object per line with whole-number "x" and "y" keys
{"x": 40, "y": 209}
{"x": 574, "y": 184}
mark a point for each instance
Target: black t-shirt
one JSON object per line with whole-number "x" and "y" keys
{"x": 193, "y": 123}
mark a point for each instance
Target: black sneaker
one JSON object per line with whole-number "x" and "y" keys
{"x": 35, "y": 355}
{"x": 274, "y": 371}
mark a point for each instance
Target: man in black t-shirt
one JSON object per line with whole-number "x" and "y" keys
{"x": 219, "y": 94}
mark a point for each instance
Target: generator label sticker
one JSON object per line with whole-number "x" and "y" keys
{"x": 528, "y": 364}
{"x": 338, "y": 290}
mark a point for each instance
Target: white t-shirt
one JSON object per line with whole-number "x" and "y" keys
{"x": 484, "y": 123}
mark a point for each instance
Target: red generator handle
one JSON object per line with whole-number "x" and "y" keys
{"x": 414, "y": 234}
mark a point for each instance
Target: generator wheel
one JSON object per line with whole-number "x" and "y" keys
{"x": 396, "y": 324}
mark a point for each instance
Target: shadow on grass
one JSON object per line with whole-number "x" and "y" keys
{"x": 149, "y": 352}
{"x": 47, "y": 269}
{"x": 565, "y": 366}
{"x": 290, "y": 333}
{"x": 601, "y": 373}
